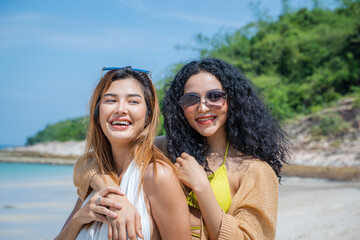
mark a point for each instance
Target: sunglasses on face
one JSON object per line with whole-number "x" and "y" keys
{"x": 213, "y": 99}
{"x": 104, "y": 69}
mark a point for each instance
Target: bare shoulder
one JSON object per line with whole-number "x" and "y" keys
{"x": 159, "y": 173}
{"x": 167, "y": 201}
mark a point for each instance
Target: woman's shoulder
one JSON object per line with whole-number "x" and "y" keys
{"x": 159, "y": 179}
{"x": 257, "y": 176}
{"x": 260, "y": 172}
{"x": 85, "y": 161}
{"x": 260, "y": 165}
{"x": 244, "y": 164}
{"x": 253, "y": 169}
{"x": 159, "y": 171}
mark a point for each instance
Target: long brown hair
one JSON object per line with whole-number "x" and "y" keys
{"x": 97, "y": 145}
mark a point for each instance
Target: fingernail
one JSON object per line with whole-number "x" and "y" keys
{"x": 113, "y": 215}
{"x": 117, "y": 205}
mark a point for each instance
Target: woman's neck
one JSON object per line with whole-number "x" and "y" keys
{"x": 217, "y": 143}
{"x": 122, "y": 156}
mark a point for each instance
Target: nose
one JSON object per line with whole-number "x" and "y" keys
{"x": 121, "y": 108}
{"x": 202, "y": 106}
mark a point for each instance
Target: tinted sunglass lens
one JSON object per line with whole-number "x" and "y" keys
{"x": 188, "y": 100}
{"x": 216, "y": 96}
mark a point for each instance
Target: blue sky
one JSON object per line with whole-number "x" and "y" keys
{"x": 51, "y": 52}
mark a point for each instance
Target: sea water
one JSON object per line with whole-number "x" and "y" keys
{"x": 35, "y": 201}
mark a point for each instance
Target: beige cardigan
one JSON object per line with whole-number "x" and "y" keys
{"x": 253, "y": 210}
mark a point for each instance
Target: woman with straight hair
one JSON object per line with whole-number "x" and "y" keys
{"x": 123, "y": 122}
{"x": 228, "y": 148}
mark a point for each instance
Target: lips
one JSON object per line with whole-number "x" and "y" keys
{"x": 120, "y": 122}
{"x": 206, "y": 119}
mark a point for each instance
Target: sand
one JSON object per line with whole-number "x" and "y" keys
{"x": 308, "y": 209}
{"x": 316, "y": 209}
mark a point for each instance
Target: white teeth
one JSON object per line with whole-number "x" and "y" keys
{"x": 205, "y": 119}
{"x": 121, "y": 123}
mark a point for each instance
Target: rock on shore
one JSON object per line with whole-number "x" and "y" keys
{"x": 340, "y": 148}
{"x": 69, "y": 148}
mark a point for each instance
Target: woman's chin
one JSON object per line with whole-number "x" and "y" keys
{"x": 206, "y": 132}
{"x": 211, "y": 131}
{"x": 116, "y": 140}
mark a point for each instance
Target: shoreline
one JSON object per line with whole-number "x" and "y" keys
{"x": 322, "y": 172}
{"x": 35, "y": 157}
{"x": 304, "y": 171}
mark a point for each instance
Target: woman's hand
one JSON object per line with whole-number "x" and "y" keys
{"x": 192, "y": 174}
{"x": 96, "y": 209}
{"x": 128, "y": 220}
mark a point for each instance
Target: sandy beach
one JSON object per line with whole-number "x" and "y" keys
{"x": 316, "y": 209}
{"x": 37, "y": 207}
{"x": 37, "y": 198}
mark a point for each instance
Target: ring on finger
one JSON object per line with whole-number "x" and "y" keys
{"x": 98, "y": 201}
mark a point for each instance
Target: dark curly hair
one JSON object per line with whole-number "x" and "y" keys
{"x": 250, "y": 127}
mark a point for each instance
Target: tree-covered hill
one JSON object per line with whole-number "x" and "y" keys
{"x": 302, "y": 62}
{"x": 71, "y": 129}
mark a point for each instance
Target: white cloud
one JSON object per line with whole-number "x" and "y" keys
{"x": 101, "y": 40}
{"x": 33, "y": 28}
{"x": 201, "y": 19}
{"x": 140, "y": 6}
{"x": 12, "y": 35}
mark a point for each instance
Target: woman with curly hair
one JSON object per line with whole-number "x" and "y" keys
{"x": 228, "y": 149}
{"x": 122, "y": 126}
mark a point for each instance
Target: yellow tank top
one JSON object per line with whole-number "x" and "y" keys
{"x": 220, "y": 185}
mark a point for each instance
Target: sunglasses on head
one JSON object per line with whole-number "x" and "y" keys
{"x": 117, "y": 68}
{"x": 213, "y": 99}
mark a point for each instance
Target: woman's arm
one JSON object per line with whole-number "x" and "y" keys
{"x": 84, "y": 170}
{"x": 128, "y": 220}
{"x": 71, "y": 228}
{"x": 93, "y": 210}
{"x": 253, "y": 211}
{"x": 167, "y": 201}
{"x": 194, "y": 176}
{"x": 86, "y": 177}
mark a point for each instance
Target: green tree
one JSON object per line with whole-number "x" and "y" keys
{"x": 74, "y": 129}
{"x": 302, "y": 61}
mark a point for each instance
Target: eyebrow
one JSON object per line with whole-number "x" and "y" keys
{"x": 211, "y": 90}
{"x": 215, "y": 89}
{"x": 129, "y": 95}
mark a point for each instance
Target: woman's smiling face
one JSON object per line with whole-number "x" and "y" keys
{"x": 205, "y": 120}
{"x": 122, "y": 111}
